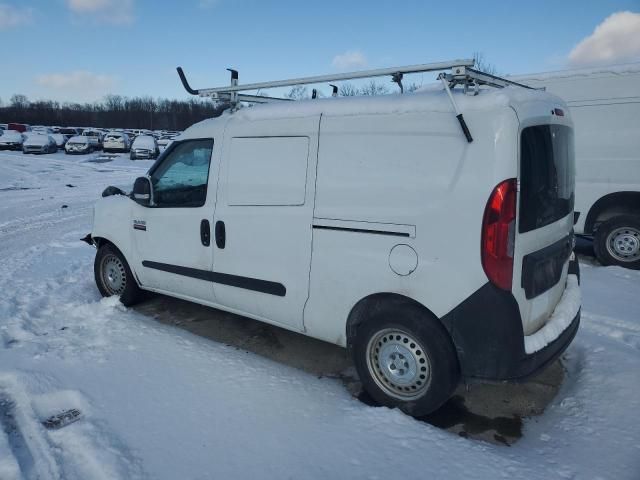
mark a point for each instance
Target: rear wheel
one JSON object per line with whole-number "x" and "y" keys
{"x": 113, "y": 276}
{"x": 617, "y": 241}
{"x": 405, "y": 358}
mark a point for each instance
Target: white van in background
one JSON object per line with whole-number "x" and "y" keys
{"x": 371, "y": 223}
{"x": 605, "y": 106}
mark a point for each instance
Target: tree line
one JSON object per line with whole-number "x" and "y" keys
{"x": 114, "y": 111}
{"x": 117, "y": 111}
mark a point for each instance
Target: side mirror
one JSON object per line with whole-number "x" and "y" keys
{"x": 143, "y": 191}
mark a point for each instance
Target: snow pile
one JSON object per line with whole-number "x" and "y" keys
{"x": 563, "y": 315}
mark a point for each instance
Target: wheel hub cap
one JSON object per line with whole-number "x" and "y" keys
{"x": 113, "y": 275}
{"x": 624, "y": 244}
{"x": 398, "y": 364}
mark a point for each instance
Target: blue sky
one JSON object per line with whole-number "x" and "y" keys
{"x": 82, "y": 49}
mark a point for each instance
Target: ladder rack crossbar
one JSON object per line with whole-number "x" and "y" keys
{"x": 484, "y": 79}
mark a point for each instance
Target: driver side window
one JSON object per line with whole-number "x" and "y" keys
{"x": 181, "y": 179}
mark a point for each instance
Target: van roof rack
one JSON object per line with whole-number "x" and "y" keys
{"x": 460, "y": 73}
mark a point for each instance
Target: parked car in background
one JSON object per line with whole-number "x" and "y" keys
{"x": 41, "y": 130}
{"x": 11, "y": 140}
{"x": 69, "y": 132}
{"x": 164, "y": 142}
{"x": 78, "y": 144}
{"x": 95, "y": 138}
{"x": 39, "y": 143}
{"x": 605, "y": 106}
{"x": 144, "y": 146}
{"x": 116, "y": 142}
{"x": 60, "y": 139}
{"x": 19, "y": 127}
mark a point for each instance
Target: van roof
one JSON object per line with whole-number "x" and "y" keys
{"x": 432, "y": 98}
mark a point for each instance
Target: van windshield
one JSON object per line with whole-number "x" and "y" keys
{"x": 546, "y": 175}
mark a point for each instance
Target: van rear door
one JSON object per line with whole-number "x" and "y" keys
{"x": 544, "y": 221}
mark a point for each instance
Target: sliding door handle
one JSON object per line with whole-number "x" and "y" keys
{"x": 205, "y": 233}
{"x": 221, "y": 234}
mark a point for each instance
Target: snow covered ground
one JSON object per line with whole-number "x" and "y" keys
{"x": 160, "y": 403}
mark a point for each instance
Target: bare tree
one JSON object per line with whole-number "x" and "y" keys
{"x": 347, "y": 90}
{"x": 19, "y": 101}
{"x": 480, "y": 63}
{"x": 373, "y": 88}
{"x": 297, "y": 92}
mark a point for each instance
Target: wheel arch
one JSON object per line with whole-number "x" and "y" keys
{"x": 101, "y": 241}
{"x": 618, "y": 203}
{"x": 367, "y": 305}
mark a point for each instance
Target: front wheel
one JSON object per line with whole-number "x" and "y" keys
{"x": 113, "y": 276}
{"x": 405, "y": 358}
{"x": 617, "y": 241}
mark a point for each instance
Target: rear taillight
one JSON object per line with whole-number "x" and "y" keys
{"x": 498, "y": 234}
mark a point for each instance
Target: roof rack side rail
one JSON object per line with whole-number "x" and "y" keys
{"x": 380, "y": 72}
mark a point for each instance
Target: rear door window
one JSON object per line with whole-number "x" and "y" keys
{"x": 546, "y": 175}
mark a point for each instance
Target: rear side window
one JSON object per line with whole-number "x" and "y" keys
{"x": 546, "y": 175}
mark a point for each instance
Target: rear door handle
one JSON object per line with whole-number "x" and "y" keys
{"x": 205, "y": 233}
{"x": 221, "y": 234}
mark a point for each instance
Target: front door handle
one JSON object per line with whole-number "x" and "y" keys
{"x": 221, "y": 234}
{"x": 205, "y": 233}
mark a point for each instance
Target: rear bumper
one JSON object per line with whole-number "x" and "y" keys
{"x": 487, "y": 332}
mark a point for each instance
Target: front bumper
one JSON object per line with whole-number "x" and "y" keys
{"x": 10, "y": 146}
{"x": 487, "y": 333}
{"x": 143, "y": 153}
{"x": 75, "y": 150}
{"x": 34, "y": 149}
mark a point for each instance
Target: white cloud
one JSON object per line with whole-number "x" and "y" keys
{"x": 351, "y": 59}
{"x": 77, "y": 86}
{"x": 11, "y": 16}
{"x": 615, "y": 40}
{"x": 117, "y": 12}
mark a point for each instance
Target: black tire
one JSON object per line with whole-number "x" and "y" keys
{"x": 391, "y": 327}
{"x": 617, "y": 241}
{"x": 110, "y": 263}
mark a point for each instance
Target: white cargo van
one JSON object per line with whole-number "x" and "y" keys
{"x": 434, "y": 254}
{"x": 605, "y": 107}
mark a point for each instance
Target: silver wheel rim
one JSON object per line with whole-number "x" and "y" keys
{"x": 114, "y": 275}
{"x": 398, "y": 364}
{"x": 623, "y": 244}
